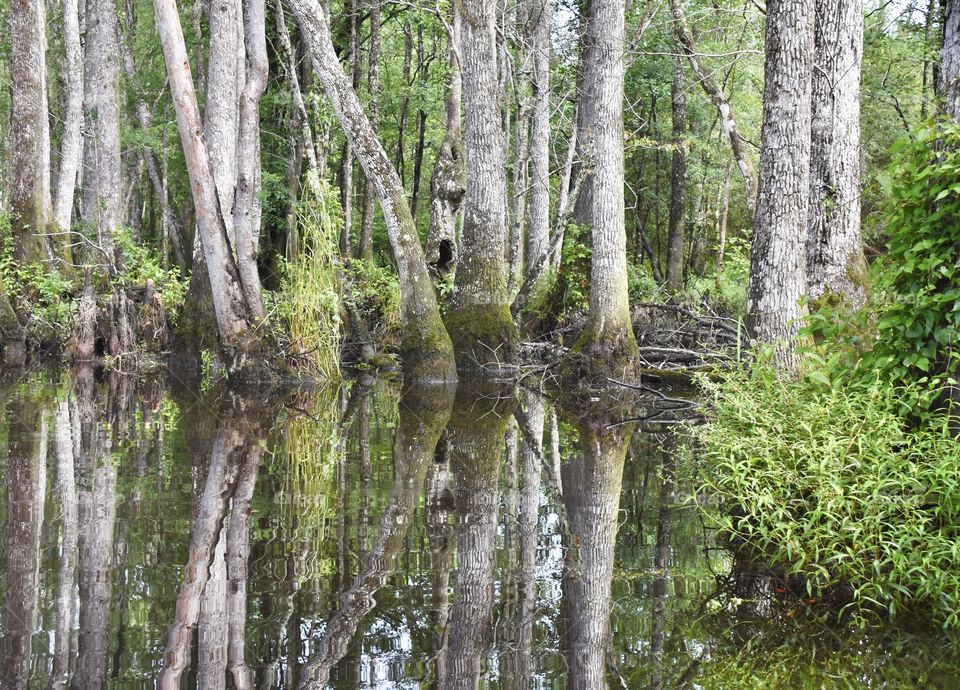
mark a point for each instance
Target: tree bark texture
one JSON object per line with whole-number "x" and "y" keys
{"x": 538, "y": 214}
{"x": 229, "y": 304}
{"x": 950, "y": 60}
{"x": 608, "y": 339}
{"x": 373, "y": 115}
{"x": 426, "y": 346}
{"x": 71, "y": 146}
{"x": 447, "y": 185}
{"x": 778, "y": 260}
{"x": 479, "y": 318}
{"x": 29, "y": 156}
{"x": 835, "y": 261}
{"x": 102, "y": 204}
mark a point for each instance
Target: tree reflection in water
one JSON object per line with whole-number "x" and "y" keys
{"x": 366, "y": 537}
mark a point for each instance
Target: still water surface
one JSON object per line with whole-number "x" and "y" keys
{"x": 157, "y": 535}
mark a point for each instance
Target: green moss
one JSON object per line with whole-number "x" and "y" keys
{"x": 427, "y": 352}
{"x": 482, "y": 335}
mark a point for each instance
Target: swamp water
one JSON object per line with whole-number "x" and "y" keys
{"x": 152, "y": 534}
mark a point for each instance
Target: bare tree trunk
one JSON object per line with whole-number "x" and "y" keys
{"x": 720, "y": 100}
{"x": 246, "y": 208}
{"x": 426, "y": 347}
{"x": 949, "y": 78}
{"x": 373, "y": 110}
{"x": 538, "y": 216}
{"x": 399, "y": 159}
{"x": 608, "y": 341}
{"x": 237, "y": 340}
{"x": 102, "y": 185}
{"x": 346, "y": 158}
{"x": 479, "y": 318}
{"x": 421, "y": 128}
{"x": 678, "y": 182}
{"x": 778, "y": 261}
{"x": 522, "y": 68}
{"x": 29, "y": 157}
{"x": 835, "y": 261}
{"x": 71, "y": 147}
{"x": 448, "y": 184}
{"x": 932, "y": 6}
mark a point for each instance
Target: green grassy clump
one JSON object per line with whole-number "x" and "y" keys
{"x": 823, "y": 478}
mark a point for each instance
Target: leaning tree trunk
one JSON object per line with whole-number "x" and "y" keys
{"x": 678, "y": 182}
{"x": 479, "y": 317}
{"x": 71, "y": 146}
{"x": 238, "y": 342}
{"x": 778, "y": 262}
{"x": 448, "y": 184}
{"x": 727, "y": 119}
{"x": 373, "y": 110}
{"x": 607, "y": 343}
{"x": 426, "y": 347}
{"x": 835, "y": 261}
{"x": 102, "y": 204}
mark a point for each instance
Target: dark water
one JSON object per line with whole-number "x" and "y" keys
{"x": 154, "y": 534}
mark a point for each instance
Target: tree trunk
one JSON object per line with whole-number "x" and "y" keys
{"x": 778, "y": 261}
{"x": 373, "y": 110}
{"x": 720, "y": 100}
{"x": 608, "y": 343}
{"x": 538, "y": 216}
{"x": 102, "y": 188}
{"x": 949, "y": 78}
{"x": 835, "y": 261}
{"x": 29, "y": 157}
{"x": 347, "y": 155}
{"x": 591, "y": 496}
{"x": 71, "y": 146}
{"x": 722, "y": 229}
{"x": 678, "y": 182}
{"x": 479, "y": 318}
{"x": 448, "y": 184}
{"x": 246, "y": 207}
{"x": 426, "y": 347}
{"x": 237, "y": 340}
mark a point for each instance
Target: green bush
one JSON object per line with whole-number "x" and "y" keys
{"x": 142, "y": 263}
{"x": 821, "y": 478}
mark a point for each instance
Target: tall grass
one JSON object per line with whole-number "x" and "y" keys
{"x": 312, "y": 288}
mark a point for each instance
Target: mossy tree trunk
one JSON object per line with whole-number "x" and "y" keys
{"x": 778, "y": 258}
{"x": 678, "y": 180}
{"x": 608, "y": 342}
{"x": 426, "y": 348}
{"x": 479, "y": 318}
{"x": 835, "y": 260}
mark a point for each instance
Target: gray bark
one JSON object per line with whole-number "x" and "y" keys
{"x": 246, "y": 204}
{"x": 835, "y": 261}
{"x": 71, "y": 147}
{"x": 727, "y": 118}
{"x": 949, "y": 80}
{"x": 426, "y": 347}
{"x": 102, "y": 203}
{"x": 608, "y": 337}
{"x": 479, "y": 318}
{"x": 447, "y": 185}
{"x": 778, "y": 259}
{"x": 67, "y": 577}
{"x": 538, "y": 215}
{"x": 228, "y": 300}
{"x": 29, "y": 164}
{"x": 678, "y": 181}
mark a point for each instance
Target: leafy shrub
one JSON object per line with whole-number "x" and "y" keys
{"x": 821, "y": 478}
{"x": 731, "y": 297}
{"x": 917, "y": 328}
{"x": 376, "y": 294}
{"x": 142, "y": 263}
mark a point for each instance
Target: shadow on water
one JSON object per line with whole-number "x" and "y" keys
{"x": 363, "y": 536}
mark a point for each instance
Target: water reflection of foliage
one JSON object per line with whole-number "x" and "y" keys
{"x": 310, "y": 448}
